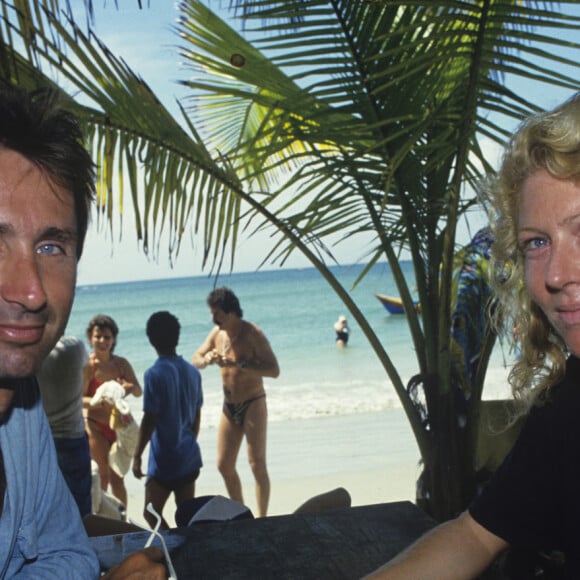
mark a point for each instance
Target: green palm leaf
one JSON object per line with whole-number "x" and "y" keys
{"x": 322, "y": 122}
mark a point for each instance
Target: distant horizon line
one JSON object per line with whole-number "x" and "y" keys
{"x": 228, "y": 275}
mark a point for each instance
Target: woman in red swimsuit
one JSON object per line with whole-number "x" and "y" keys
{"x": 104, "y": 366}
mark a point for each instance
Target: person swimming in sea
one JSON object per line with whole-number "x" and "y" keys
{"x": 342, "y": 331}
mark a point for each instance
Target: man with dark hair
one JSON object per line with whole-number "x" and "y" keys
{"x": 46, "y": 191}
{"x": 245, "y": 357}
{"x": 226, "y": 300}
{"x": 171, "y": 418}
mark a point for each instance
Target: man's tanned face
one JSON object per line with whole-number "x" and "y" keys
{"x": 38, "y": 264}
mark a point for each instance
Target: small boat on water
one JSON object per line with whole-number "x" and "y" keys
{"x": 394, "y": 305}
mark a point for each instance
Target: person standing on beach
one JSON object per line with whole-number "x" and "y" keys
{"x": 171, "y": 419}
{"x": 61, "y": 385}
{"x": 46, "y": 192}
{"x": 530, "y": 504}
{"x": 245, "y": 357}
{"x": 103, "y": 366}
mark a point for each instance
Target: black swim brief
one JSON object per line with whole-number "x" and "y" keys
{"x": 237, "y": 411}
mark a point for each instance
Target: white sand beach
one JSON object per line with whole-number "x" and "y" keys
{"x": 374, "y": 456}
{"x": 334, "y": 417}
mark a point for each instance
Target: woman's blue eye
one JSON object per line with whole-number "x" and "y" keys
{"x": 534, "y": 244}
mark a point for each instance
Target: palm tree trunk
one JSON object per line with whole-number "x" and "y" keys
{"x": 448, "y": 482}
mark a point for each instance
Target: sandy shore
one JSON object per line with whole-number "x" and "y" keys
{"x": 374, "y": 456}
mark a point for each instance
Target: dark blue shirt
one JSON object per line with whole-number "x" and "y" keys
{"x": 173, "y": 394}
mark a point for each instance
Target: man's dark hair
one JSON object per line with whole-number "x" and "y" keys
{"x": 35, "y": 124}
{"x": 225, "y": 299}
{"x": 163, "y": 331}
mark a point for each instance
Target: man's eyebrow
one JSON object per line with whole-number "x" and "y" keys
{"x": 54, "y": 233}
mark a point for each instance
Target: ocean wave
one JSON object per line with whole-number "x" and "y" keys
{"x": 310, "y": 400}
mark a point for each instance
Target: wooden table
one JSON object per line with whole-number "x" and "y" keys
{"x": 334, "y": 544}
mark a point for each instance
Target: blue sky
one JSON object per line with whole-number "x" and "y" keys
{"x": 146, "y": 42}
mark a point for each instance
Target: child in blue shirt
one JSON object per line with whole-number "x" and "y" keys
{"x": 171, "y": 418}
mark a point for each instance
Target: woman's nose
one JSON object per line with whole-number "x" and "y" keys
{"x": 563, "y": 265}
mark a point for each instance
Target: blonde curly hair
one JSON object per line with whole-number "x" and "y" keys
{"x": 547, "y": 141}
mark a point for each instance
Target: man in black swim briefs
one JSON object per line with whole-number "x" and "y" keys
{"x": 237, "y": 411}
{"x": 245, "y": 357}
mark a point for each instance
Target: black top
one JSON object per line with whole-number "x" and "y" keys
{"x": 533, "y": 499}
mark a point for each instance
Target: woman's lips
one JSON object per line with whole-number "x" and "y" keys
{"x": 569, "y": 315}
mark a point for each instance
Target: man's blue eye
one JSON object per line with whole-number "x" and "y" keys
{"x": 50, "y": 249}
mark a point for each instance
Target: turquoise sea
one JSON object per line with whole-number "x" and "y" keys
{"x": 296, "y": 309}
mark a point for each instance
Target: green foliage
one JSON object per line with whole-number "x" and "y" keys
{"x": 321, "y": 122}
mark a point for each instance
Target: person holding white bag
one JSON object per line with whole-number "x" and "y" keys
{"x": 104, "y": 366}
